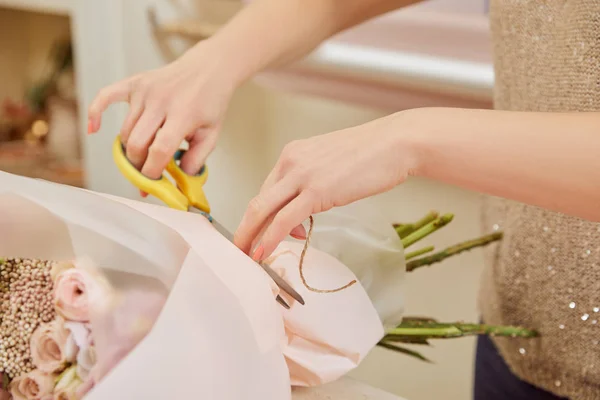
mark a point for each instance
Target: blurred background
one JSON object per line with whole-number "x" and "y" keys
{"x": 56, "y": 54}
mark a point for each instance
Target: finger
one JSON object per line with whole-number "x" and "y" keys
{"x": 273, "y": 177}
{"x": 299, "y": 232}
{"x": 115, "y": 93}
{"x": 166, "y": 143}
{"x": 260, "y": 208}
{"x": 290, "y": 216}
{"x": 142, "y": 135}
{"x": 136, "y": 109}
{"x": 201, "y": 145}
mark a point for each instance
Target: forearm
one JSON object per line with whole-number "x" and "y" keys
{"x": 269, "y": 33}
{"x": 551, "y": 160}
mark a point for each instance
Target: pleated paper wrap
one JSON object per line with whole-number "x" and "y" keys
{"x": 220, "y": 334}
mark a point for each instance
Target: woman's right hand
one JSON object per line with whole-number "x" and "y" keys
{"x": 184, "y": 100}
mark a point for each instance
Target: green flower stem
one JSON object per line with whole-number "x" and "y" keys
{"x": 451, "y": 251}
{"x": 403, "y": 350}
{"x": 404, "y": 230}
{"x": 433, "y": 330}
{"x": 427, "y": 230}
{"x": 418, "y": 253}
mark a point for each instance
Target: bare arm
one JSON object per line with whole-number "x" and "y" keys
{"x": 270, "y": 33}
{"x": 551, "y": 160}
{"x": 187, "y": 99}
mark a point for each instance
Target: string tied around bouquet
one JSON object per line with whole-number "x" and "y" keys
{"x": 301, "y": 265}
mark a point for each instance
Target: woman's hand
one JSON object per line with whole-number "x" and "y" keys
{"x": 522, "y": 156}
{"x": 322, "y": 172}
{"x": 185, "y": 100}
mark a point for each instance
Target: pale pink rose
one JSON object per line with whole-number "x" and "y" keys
{"x": 32, "y": 386}
{"x": 71, "y": 294}
{"x": 66, "y": 388}
{"x": 49, "y": 345}
{"x": 59, "y": 268}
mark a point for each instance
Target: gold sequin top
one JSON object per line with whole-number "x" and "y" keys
{"x": 546, "y": 272}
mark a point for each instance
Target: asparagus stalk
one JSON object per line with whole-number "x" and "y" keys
{"x": 420, "y": 330}
{"x": 427, "y": 230}
{"x": 418, "y": 253}
{"x": 434, "y": 330}
{"x": 453, "y": 250}
{"x": 404, "y": 230}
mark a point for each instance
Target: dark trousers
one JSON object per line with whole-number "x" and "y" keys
{"x": 495, "y": 381}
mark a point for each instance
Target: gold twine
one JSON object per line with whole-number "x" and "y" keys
{"x": 301, "y": 265}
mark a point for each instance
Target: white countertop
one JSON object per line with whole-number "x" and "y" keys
{"x": 344, "y": 389}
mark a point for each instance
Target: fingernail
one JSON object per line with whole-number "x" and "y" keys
{"x": 258, "y": 253}
{"x": 90, "y": 127}
{"x": 298, "y": 236}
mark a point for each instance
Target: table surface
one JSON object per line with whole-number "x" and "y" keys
{"x": 344, "y": 389}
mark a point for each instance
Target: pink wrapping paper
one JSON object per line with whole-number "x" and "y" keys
{"x": 220, "y": 334}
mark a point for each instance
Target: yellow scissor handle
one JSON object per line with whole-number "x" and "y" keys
{"x": 192, "y": 186}
{"x": 160, "y": 188}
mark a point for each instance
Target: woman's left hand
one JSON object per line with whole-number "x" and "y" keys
{"x": 322, "y": 172}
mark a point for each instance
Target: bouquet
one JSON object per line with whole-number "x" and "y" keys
{"x": 173, "y": 309}
{"x": 102, "y": 295}
{"x": 47, "y": 345}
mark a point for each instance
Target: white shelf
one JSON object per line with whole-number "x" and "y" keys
{"x": 60, "y": 7}
{"x": 409, "y": 57}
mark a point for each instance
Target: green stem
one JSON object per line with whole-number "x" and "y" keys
{"x": 418, "y": 253}
{"x": 453, "y": 250}
{"x": 427, "y": 230}
{"x": 404, "y": 230}
{"x": 403, "y": 350}
{"x": 433, "y": 330}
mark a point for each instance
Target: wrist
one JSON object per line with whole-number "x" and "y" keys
{"x": 415, "y": 132}
{"x": 228, "y": 64}
{"x": 439, "y": 140}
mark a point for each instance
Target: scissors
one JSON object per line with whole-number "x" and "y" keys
{"x": 187, "y": 195}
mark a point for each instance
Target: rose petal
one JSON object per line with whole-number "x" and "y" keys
{"x": 80, "y": 333}
{"x": 47, "y": 346}
{"x": 71, "y": 349}
{"x": 33, "y": 385}
{"x": 71, "y": 294}
{"x": 85, "y": 362}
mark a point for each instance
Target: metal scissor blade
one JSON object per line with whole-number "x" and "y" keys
{"x": 279, "y": 281}
{"x": 283, "y": 285}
